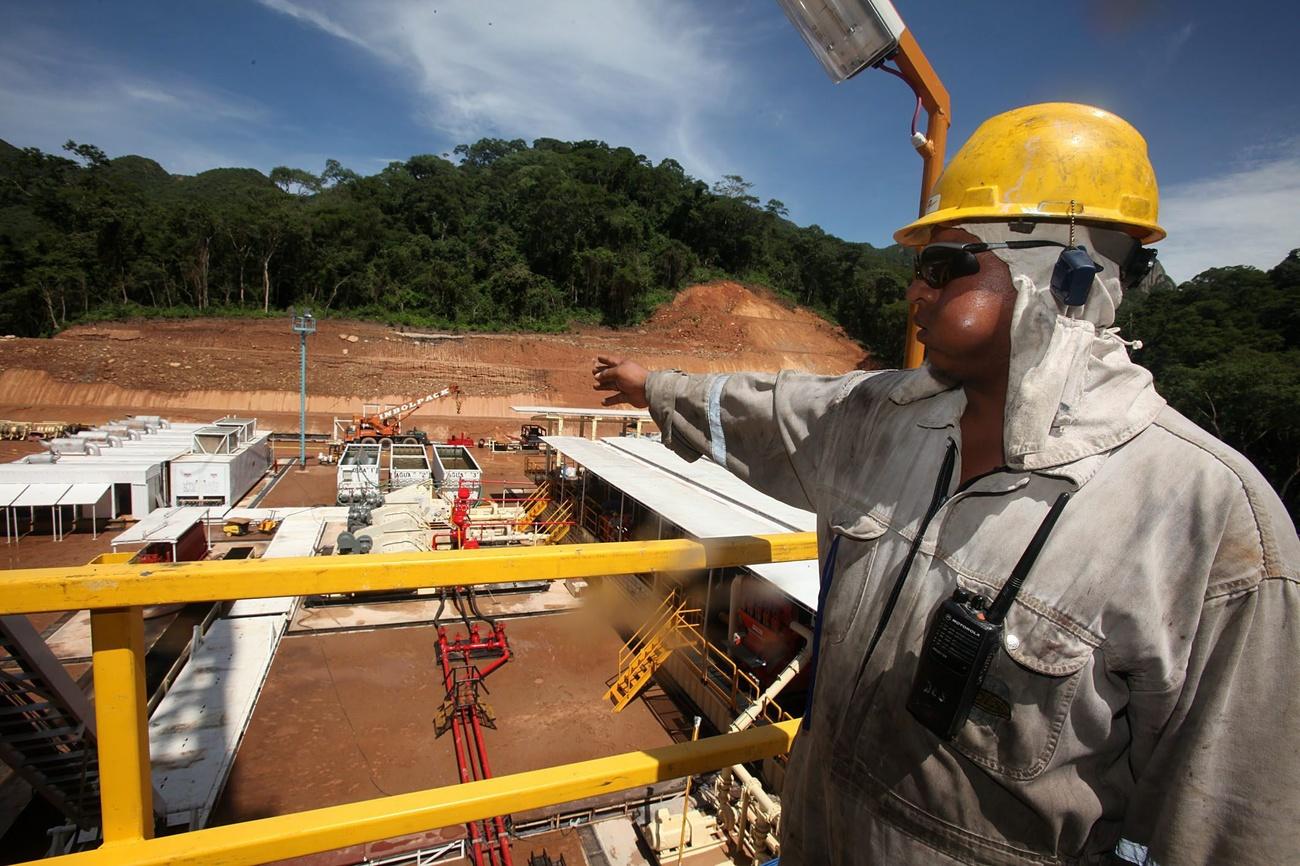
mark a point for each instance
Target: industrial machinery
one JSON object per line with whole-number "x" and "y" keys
{"x": 17, "y": 430}
{"x": 464, "y": 713}
{"x": 377, "y": 423}
{"x": 238, "y": 526}
{"x": 529, "y": 439}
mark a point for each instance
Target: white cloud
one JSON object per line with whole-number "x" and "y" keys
{"x": 1249, "y": 215}
{"x": 52, "y": 90}
{"x": 657, "y": 74}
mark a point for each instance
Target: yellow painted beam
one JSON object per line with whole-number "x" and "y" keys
{"x": 326, "y": 829}
{"x": 121, "y": 585}
{"x": 125, "y": 781}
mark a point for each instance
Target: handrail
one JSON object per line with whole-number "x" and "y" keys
{"x": 115, "y": 594}
{"x": 94, "y": 587}
{"x": 302, "y": 833}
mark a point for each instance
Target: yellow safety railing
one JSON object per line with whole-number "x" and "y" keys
{"x": 714, "y": 667}
{"x": 115, "y": 594}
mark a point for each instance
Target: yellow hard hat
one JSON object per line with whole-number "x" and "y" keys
{"x": 1032, "y": 162}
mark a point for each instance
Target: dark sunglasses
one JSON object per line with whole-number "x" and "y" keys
{"x": 940, "y": 263}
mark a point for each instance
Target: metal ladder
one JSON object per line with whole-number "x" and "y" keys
{"x": 47, "y": 728}
{"x": 649, "y": 648}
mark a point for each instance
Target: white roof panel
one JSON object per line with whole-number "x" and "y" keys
{"x": 10, "y": 492}
{"x": 168, "y": 524}
{"x": 721, "y": 482}
{"x": 703, "y": 499}
{"x": 89, "y": 493}
{"x": 41, "y": 494}
{"x": 196, "y": 729}
{"x": 299, "y": 534}
{"x": 579, "y": 412}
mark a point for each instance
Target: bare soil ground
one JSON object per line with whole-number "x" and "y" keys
{"x": 197, "y": 368}
{"x": 349, "y": 716}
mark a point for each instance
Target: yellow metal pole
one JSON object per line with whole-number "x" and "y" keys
{"x": 333, "y": 827}
{"x": 918, "y": 72}
{"x": 686, "y": 799}
{"x": 125, "y": 782}
{"x": 120, "y": 585}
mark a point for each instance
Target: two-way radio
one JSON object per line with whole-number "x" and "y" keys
{"x": 963, "y": 640}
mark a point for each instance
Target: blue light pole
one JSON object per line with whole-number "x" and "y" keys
{"x": 302, "y": 326}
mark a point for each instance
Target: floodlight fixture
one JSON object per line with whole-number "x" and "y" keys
{"x": 304, "y": 324}
{"x": 847, "y": 36}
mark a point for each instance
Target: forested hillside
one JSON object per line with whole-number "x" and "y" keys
{"x": 1224, "y": 348}
{"x": 506, "y": 236}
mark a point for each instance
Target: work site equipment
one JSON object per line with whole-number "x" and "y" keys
{"x": 529, "y": 439}
{"x": 1044, "y": 162}
{"x": 237, "y": 526}
{"x": 377, "y": 423}
{"x": 16, "y": 430}
{"x": 465, "y": 715}
{"x": 648, "y": 649}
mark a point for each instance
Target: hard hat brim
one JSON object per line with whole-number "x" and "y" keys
{"x": 917, "y": 233}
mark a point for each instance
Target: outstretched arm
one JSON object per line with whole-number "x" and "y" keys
{"x": 763, "y": 427}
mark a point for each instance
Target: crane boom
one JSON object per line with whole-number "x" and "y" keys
{"x": 407, "y": 408}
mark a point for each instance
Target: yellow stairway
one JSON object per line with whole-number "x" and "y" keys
{"x": 649, "y": 648}
{"x": 560, "y": 522}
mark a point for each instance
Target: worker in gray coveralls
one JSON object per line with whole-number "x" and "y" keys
{"x": 1141, "y": 631}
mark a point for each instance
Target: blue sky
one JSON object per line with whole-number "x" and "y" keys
{"x": 723, "y": 87}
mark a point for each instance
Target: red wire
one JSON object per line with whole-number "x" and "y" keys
{"x": 916, "y": 114}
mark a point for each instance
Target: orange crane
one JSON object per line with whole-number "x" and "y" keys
{"x": 387, "y": 423}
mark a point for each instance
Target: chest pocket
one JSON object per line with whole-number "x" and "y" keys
{"x": 1018, "y": 717}
{"x": 859, "y": 541}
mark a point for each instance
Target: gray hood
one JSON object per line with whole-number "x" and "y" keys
{"x": 1072, "y": 390}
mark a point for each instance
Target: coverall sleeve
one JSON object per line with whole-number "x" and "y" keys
{"x": 1218, "y": 780}
{"x": 762, "y": 427}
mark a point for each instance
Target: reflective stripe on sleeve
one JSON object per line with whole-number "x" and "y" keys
{"x": 717, "y": 439}
{"x": 1132, "y": 852}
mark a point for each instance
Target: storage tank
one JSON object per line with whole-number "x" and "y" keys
{"x": 455, "y": 467}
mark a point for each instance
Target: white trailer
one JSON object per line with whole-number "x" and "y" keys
{"x": 454, "y": 467}
{"x": 407, "y": 465}
{"x": 221, "y": 470}
{"x": 358, "y": 473}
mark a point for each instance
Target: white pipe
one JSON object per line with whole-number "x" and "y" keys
{"x": 737, "y": 585}
{"x": 43, "y": 457}
{"x": 789, "y": 672}
{"x": 752, "y": 788}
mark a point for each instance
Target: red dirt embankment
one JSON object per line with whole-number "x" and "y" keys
{"x": 199, "y": 368}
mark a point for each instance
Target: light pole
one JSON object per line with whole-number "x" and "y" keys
{"x": 302, "y": 326}
{"x": 848, "y": 36}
